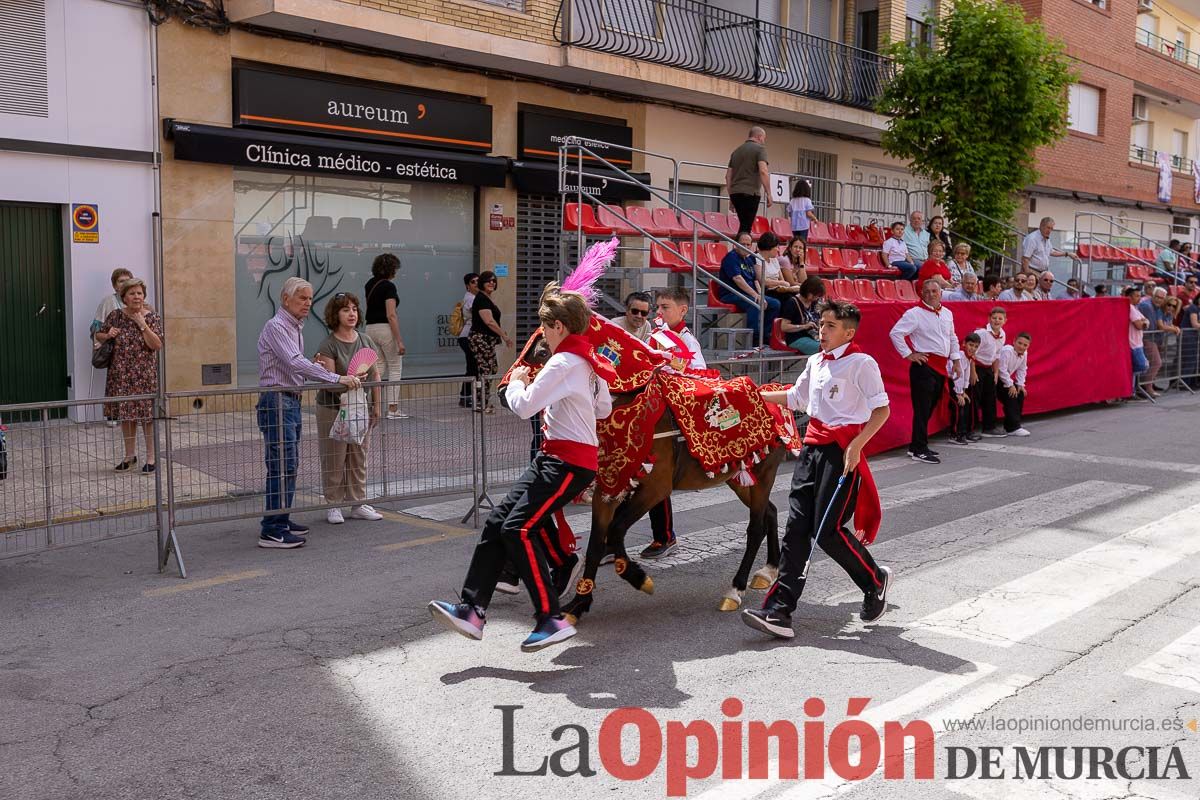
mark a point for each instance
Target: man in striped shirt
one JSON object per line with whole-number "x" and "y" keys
{"x": 283, "y": 368}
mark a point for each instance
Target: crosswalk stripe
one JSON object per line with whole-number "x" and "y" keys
{"x": 904, "y": 706}
{"x": 1102, "y": 789}
{"x": 1177, "y": 664}
{"x": 1015, "y": 611}
{"x": 1088, "y": 458}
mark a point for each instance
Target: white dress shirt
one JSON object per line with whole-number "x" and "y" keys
{"x": 1010, "y": 296}
{"x": 570, "y": 395}
{"x": 930, "y": 332}
{"x": 1037, "y": 249}
{"x": 1013, "y": 366}
{"x": 663, "y": 343}
{"x": 989, "y": 345}
{"x": 843, "y": 390}
{"x": 962, "y": 375}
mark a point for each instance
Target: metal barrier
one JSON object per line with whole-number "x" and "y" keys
{"x": 1174, "y": 359}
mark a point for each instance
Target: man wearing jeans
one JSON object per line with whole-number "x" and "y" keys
{"x": 282, "y": 370}
{"x": 1137, "y": 324}
{"x": 748, "y": 171}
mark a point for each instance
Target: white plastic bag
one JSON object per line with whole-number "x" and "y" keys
{"x": 353, "y": 419}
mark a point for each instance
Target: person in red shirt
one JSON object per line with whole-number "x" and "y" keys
{"x": 934, "y": 268}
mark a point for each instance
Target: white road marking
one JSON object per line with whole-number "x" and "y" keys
{"x": 1102, "y": 789}
{"x": 1015, "y": 611}
{"x": 1089, "y": 458}
{"x": 1177, "y": 664}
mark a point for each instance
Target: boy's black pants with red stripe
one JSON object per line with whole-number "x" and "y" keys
{"x": 814, "y": 489}
{"x": 516, "y": 531}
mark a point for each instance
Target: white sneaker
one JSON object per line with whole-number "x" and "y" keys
{"x": 397, "y": 415}
{"x": 334, "y": 517}
{"x": 365, "y": 512}
{"x": 1019, "y": 432}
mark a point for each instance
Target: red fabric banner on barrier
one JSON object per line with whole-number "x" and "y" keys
{"x": 1079, "y": 355}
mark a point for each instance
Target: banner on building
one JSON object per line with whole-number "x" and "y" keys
{"x": 1164, "y": 177}
{"x": 1196, "y": 181}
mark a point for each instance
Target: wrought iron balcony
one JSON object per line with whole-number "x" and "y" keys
{"x": 695, "y": 36}
{"x": 1149, "y": 157}
{"x": 1171, "y": 49}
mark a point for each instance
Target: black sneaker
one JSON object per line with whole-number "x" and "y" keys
{"x": 509, "y": 582}
{"x": 875, "y": 603}
{"x": 769, "y": 620}
{"x": 927, "y": 457}
{"x": 282, "y": 541}
{"x": 994, "y": 433}
{"x": 125, "y": 466}
{"x": 658, "y": 549}
{"x": 148, "y": 469}
{"x": 957, "y": 440}
{"x": 461, "y": 618}
{"x": 932, "y": 452}
{"x": 296, "y": 527}
{"x": 974, "y": 436}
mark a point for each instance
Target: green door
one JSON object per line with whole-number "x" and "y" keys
{"x": 33, "y": 328}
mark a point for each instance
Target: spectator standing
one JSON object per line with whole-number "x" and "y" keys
{"x": 282, "y": 371}
{"x": 1158, "y": 325}
{"x": 968, "y": 290}
{"x": 344, "y": 464}
{"x": 965, "y": 384}
{"x": 916, "y": 238}
{"x": 929, "y": 326}
{"x": 738, "y": 270}
{"x": 896, "y": 252}
{"x": 383, "y": 326}
{"x": 1137, "y": 326}
{"x": 1036, "y": 249}
{"x": 465, "y": 393}
{"x": 636, "y": 321}
{"x": 800, "y": 209}
{"x": 793, "y": 261}
{"x": 748, "y": 171}
{"x": 486, "y": 335}
{"x": 1190, "y": 323}
{"x": 777, "y": 284}
{"x": 960, "y": 263}
{"x": 801, "y": 317}
{"x": 137, "y": 335}
{"x": 109, "y": 304}
{"x": 937, "y": 230}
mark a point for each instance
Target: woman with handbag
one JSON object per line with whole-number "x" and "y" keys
{"x": 383, "y": 326}
{"x": 486, "y": 334}
{"x": 135, "y": 335}
{"x": 109, "y": 304}
{"x": 344, "y": 464}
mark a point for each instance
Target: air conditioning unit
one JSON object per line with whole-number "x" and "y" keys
{"x": 1145, "y": 6}
{"x": 1141, "y": 108}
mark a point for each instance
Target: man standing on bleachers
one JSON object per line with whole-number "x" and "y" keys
{"x": 1036, "y": 249}
{"x": 748, "y": 171}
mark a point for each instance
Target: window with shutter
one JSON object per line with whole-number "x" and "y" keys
{"x": 24, "y": 88}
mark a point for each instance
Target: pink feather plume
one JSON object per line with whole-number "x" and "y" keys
{"x": 593, "y": 264}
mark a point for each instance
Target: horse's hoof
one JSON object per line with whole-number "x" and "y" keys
{"x": 728, "y": 604}
{"x": 764, "y": 577}
{"x": 571, "y": 619}
{"x": 647, "y": 585}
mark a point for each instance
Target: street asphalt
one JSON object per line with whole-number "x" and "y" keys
{"x": 1040, "y": 583}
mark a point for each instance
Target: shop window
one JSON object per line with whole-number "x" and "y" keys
{"x": 1083, "y": 109}
{"x": 328, "y": 231}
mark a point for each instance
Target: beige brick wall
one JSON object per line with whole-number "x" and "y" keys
{"x": 534, "y": 24}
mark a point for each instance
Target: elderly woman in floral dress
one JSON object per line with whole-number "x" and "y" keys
{"x": 138, "y": 336}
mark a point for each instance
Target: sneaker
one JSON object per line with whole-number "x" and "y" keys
{"x": 550, "y": 630}
{"x": 565, "y": 576}
{"x": 1019, "y": 432}
{"x": 364, "y": 511}
{"x": 462, "y": 618}
{"x": 112, "y": 423}
{"x": 769, "y": 620}
{"x": 334, "y": 516}
{"x": 924, "y": 458}
{"x": 296, "y": 527}
{"x": 994, "y": 433}
{"x": 283, "y": 541}
{"x": 957, "y": 440}
{"x": 397, "y": 415}
{"x": 126, "y": 465}
{"x": 509, "y": 582}
{"x": 148, "y": 469}
{"x": 875, "y": 602}
{"x": 974, "y": 436}
{"x": 932, "y": 452}
{"x": 658, "y": 549}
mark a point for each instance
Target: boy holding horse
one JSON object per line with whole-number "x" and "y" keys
{"x": 572, "y": 392}
{"x": 843, "y": 393}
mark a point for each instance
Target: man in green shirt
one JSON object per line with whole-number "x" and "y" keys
{"x": 748, "y": 172}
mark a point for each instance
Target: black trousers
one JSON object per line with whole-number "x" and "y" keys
{"x": 962, "y": 418}
{"x": 926, "y": 384}
{"x": 816, "y": 501}
{"x": 516, "y": 531}
{"x": 746, "y": 207}
{"x": 1013, "y": 406}
{"x": 662, "y": 522}
{"x": 987, "y": 397}
{"x": 472, "y": 367}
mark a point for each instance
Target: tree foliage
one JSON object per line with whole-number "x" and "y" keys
{"x": 971, "y": 111}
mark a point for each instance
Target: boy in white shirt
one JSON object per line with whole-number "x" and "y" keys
{"x": 842, "y": 391}
{"x": 963, "y": 384}
{"x": 1014, "y": 360}
{"x": 987, "y": 361}
{"x": 572, "y": 391}
{"x": 896, "y": 252}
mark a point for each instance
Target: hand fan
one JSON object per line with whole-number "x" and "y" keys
{"x": 362, "y": 361}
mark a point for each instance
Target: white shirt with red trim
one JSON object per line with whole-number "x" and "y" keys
{"x": 570, "y": 396}
{"x": 1013, "y": 367}
{"x": 843, "y": 390}
{"x": 661, "y": 340}
{"x": 989, "y": 345}
{"x": 929, "y": 331}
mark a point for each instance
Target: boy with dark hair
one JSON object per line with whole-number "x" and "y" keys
{"x": 572, "y": 391}
{"x": 1013, "y": 366}
{"x": 987, "y": 363}
{"x": 842, "y": 391}
{"x": 965, "y": 383}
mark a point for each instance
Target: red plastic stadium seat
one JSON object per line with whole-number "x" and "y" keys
{"x": 857, "y": 235}
{"x": 760, "y": 226}
{"x": 886, "y": 290}
{"x": 843, "y": 289}
{"x": 690, "y": 219}
{"x": 829, "y": 288}
{"x": 612, "y": 217}
{"x": 777, "y": 342}
{"x": 874, "y": 261}
{"x": 734, "y": 223}
{"x": 852, "y": 258}
{"x": 905, "y": 292}
{"x": 582, "y": 215}
{"x": 875, "y": 235}
{"x": 715, "y": 252}
{"x": 837, "y": 232}
{"x": 642, "y": 217}
{"x": 782, "y": 227}
{"x": 1084, "y": 251}
{"x": 687, "y": 255}
{"x": 665, "y": 219}
{"x": 818, "y": 233}
{"x": 812, "y": 261}
{"x": 716, "y": 219}
{"x": 832, "y": 257}
{"x": 714, "y": 298}
{"x": 1149, "y": 254}
{"x": 864, "y": 290}
{"x": 662, "y": 258}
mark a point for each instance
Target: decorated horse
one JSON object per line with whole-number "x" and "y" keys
{"x": 671, "y": 428}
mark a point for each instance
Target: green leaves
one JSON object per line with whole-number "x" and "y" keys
{"x": 971, "y": 112}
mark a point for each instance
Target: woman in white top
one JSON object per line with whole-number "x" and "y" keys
{"x": 960, "y": 264}
{"x": 773, "y": 279}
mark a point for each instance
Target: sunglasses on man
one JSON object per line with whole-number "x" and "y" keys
{"x": 638, "y": 312}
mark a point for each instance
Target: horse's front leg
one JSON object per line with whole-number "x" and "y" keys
{"x": 581, "y": 603}
{"x": 756, "y": 499}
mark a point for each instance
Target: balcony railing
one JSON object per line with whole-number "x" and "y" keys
{"x": 702, "y": 38}
{"x": 1171, "y": 49}
{"x": 1149, "y": 156}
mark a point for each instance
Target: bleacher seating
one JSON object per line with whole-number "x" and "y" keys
{"x": 818, "y": 233}
{"x": 875, "y": 235}
{"x": 666, "y": 221}
{"x": 377, "y": 230}
{"x": 782, "y": 227}
{"x": 857, "y": 236}
{"x": 832, "y": 258}
{"x": 318, "y": 229}
{"x": 837, "y": 232}
{"x": 906, "y": 292}
{"x": 688, "y": 222}
{"x": 349, "y": 229}
{"x": 714, "y": 299}
{"x": 714, "y": 252}
{"x": 613, "y": 218}
{"x": 661, "y": 257}
{"x": 716, "y": 219}
{"x": 777, "y": 340}
{"x": 886, "y": 290}
{"x": 582, "y": 215}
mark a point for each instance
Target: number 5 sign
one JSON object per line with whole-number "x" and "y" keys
{"x": 780, "y": 188}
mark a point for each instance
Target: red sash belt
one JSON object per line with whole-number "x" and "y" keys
{"x": 868, "y": 511}
{"x": 937, "y": 364}
{"x": 578, "y": 454}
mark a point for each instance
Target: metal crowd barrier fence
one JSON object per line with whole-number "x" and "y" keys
{"x": 1174, "y": 360}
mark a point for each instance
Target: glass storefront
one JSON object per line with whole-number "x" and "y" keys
{"x": 328, "y": 231}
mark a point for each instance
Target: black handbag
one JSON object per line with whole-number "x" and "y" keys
{"x": 102, "y": 355}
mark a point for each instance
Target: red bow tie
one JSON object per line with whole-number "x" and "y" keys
{"x": 995, "y": 335}
{"x": 829, "y": 356}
